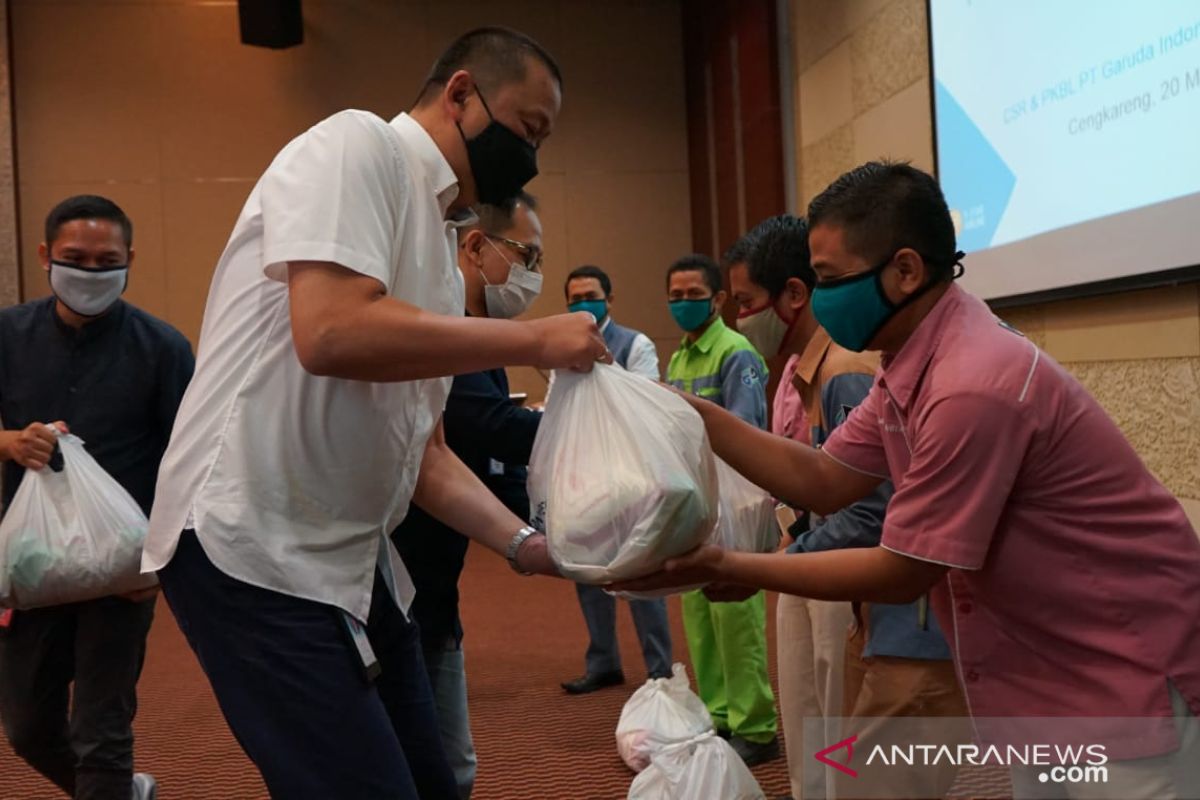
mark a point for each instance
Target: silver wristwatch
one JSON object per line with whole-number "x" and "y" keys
{"x": 515, "y": 545}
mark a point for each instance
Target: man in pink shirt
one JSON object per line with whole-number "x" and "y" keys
{"x": 1066, "y": 576}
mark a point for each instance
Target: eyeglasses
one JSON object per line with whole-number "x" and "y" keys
{"x": 531, "y": 255}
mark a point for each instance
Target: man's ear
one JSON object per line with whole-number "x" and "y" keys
{"x": 455, "y": 94}
{"x": 44, "y": 255}
{"x": 129, "y": 261}
{"x": 720, "y": 298}
{"x": 472, "y": 246}
{"x": 912, "y": 270}
{"x": 609, "y": 299}
{"x": 796, "y": 293}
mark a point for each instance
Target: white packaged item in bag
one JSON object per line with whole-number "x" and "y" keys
{"x": 622, "y": 477}
{"x": 662, "y": 711}
{"x": 703, "y": 767}
{"x": 70, "y": 536}
{"x": 748, "y": 521}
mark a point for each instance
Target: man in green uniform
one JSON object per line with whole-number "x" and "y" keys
{"x": 727, "y": 641}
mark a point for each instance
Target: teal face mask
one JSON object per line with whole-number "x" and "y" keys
{"x": 691, "y": 314}
{"x": 853, "y": 309}
{"x": 598, "y": 308}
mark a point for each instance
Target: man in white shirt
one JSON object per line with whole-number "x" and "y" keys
{"x": 588, "y": 288}
{"x": 314, "y": 418}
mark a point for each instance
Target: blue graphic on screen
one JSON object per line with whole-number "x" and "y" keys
{"x": 1052, "y": 114}
{"x": 973, "y": 174}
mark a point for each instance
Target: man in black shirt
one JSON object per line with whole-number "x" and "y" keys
{"x": 113, "y": 375}
{"x": 501, "y": 265}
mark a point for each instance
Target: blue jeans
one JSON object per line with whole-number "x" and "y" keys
{"x": 294, "y": 691}
{"x": 448, "y": 678}
{"x": 649, "y": 618}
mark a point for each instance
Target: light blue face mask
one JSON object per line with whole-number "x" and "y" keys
{"x": 598, "y": 308}
{"x": 853, "y": 309}
{"x": 691, "y": 314}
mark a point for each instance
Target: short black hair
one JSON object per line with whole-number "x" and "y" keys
{"x": 497, "y": 220}
{"x": 780, "y": 253}
{"x": 739, "y": 252}
{"x": 698, "y": 262}
{"x": 589, "y": 271}
{"x": 87, "y": 206}
{"x": 883, "y": 206}
{"x": 494, "y": 56}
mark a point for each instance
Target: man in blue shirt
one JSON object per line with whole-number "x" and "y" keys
{"x": 500, "y": 260}
{"x": 114, "y": 374}
{"x": 588, "y": 288}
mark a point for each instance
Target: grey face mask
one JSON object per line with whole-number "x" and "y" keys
{"x": 513, "y": 297}
{"x": 88, "y": 292}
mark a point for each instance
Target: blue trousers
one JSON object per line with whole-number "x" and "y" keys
{"x": 448, "y": 677}
{"x": 294, "y": 691}
{"x": 649, "y": 618}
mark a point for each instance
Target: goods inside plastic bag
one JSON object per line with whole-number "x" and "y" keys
{"x": 621, "y": 477}
{"x": 703, "y": 767}
{"x": 748, "y": 520}
{"x": 662, "y": 711}
{"x": 70, "y": 536}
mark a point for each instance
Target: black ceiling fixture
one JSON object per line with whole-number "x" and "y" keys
{"x": 271, "y": 23}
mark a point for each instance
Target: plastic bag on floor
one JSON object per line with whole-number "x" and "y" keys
{"x": 703, "y": 767}
{"x": 663, "y": 711}
{"x": 621, "y": 477}
{"x": 70, "y": 536}
{"x": 748, "y": 520}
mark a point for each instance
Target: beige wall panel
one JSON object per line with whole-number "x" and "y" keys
{"x": 824, "y": 161}
{"x": 362, "y": 54}
{"x": 899, "y": 128}
{"x": 889, "y": 53}
{"x": 1163, "y": 423}
{"x": 818, "y": 26}
{"x": 1157, "y": 323}
{"x": 620, "y": 113}
{"x": 1192, "y": 507}
{"x": 1029, "y": 320}
{"x": 141, "y": 201}
{"x": 825, "y": 95}
{"x": 551, "y": 193}
{"x": 633, "y": 227}
{"x": 85, "y": 92}
{"x": 198, "y": 218}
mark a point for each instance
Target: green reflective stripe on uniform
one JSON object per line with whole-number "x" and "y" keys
{"x": 699, "y": 368}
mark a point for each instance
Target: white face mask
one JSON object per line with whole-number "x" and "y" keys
{"x": 87, "y": 292}
{"x": 765, "y": 329}
{"x": 513, "y": 297}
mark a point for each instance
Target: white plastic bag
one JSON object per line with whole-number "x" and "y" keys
{"x": 662, "y": 711}
{"x": 703, "y": 767}
{"x": 748, "y": 520}
{"x": 621, "y": 477}
{"x": 71, "y": 535}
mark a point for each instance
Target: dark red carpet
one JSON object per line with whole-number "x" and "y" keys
{"x": 524, "y": 636}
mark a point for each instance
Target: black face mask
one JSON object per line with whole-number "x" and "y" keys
{"x": 501, "y": 161}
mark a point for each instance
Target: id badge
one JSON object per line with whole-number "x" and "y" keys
{"x": 362, "y": 647}
{"x": 495, "y": 467}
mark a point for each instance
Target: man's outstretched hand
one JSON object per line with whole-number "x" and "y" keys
{"x": 702, "y": 565}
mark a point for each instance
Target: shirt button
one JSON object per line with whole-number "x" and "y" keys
{"x": 972, "y": 676}
{"x": 965, "y": 607}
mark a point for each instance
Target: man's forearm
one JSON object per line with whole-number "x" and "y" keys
{"x": 391, "y": 340}
{"x": 449, "y": 492}
{"x": 788, "y": 470}
{"x": 872, "y": 574}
